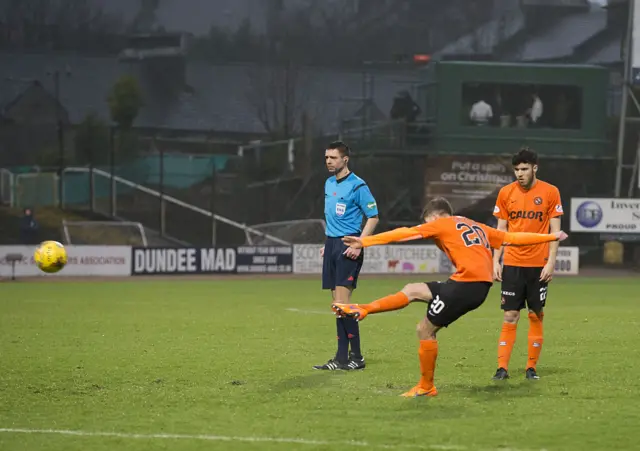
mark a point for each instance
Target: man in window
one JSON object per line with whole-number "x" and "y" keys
{"x": 481, "y": 113}
{"x": 536, "y": 110}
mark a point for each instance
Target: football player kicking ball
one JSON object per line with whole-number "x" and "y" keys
{"x": 468, "y": 245}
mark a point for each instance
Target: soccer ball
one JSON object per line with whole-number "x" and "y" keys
{"x": 50, "y": 256}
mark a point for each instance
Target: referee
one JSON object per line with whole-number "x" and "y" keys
{"x": 347, "y": 200}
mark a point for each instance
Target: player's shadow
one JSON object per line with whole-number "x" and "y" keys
{"x": 553, "y": 370}
{"x": 307, "y": 381}
{"x": 499, "y": 390}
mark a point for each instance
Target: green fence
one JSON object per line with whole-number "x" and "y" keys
{"x": 33, "y": 186}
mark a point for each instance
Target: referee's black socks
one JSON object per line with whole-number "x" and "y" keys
{"x": 353, "y": 334}
{"x": 342, "y": 355}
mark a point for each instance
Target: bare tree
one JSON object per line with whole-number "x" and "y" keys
{"x": 336, "y": 18}
{"x": 313, "y": 32}
{"x": 275, "y": 95}
{"x": 145, "y": 18}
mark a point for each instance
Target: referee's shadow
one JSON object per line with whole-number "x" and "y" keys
{"x": 315, "y": 379}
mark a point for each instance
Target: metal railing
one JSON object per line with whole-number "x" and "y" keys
{"x": 121, "y": 191}
{"x": 66, "y": 225}
{"x": 256, "y": 150}
{"x": 298, "y": 231}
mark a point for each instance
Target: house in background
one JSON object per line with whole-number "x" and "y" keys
{"x": 29, "y": 116}
{"x": 201, "y": 97}
{"x": 214, "y": 107}
{"x": 29, "y": 103}
{"x": 200, "y": 100}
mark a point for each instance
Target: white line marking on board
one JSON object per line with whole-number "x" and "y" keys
{"x": 224, "y": 438}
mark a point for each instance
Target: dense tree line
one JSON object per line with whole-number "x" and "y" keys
{"x": 58, "y": 25}
{"x": 315, "y": 34}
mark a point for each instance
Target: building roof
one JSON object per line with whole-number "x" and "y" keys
{"x": 487, "y": 36}
{"x": 511, "y": 38}
{"x": 219, "y": 97}
{"x": 609, "y": 53}
{"x": 532, "y": 64}
{"x": 559, "y": 40}
{"x": 10, "y": 91}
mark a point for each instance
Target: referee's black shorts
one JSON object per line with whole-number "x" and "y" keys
{"x": 338, "y": 270}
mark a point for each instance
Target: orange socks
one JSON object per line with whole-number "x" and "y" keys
{"x": 386, "y": 304}
{"x": 428, "y": 353}
{"x": 505, "y": 345}
{"x": 535, "y": 339}
{"x": 508, "y": 339}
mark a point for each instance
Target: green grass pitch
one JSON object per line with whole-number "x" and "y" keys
{"x": 226, "y": 365}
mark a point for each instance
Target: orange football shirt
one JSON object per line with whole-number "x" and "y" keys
{"x": 467, "y": 243}
{"x": 528, "y": 211}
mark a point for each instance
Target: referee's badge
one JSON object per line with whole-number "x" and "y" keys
{"x": 340, "y": 209}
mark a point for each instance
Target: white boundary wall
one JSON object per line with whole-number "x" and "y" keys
{"x": 390, "y": 259}
{"x": 82, "y": 261}
{"x": 407, "y": 259}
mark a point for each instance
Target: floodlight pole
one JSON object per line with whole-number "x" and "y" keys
{"x": 627, "y": 81}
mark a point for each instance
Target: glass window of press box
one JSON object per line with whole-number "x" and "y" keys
{"x": 427, "y": 98}
{"x": 525, "y": 106}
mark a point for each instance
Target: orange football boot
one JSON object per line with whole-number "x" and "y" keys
{"x": 419, "y": 391}
{"x": 350, "y": 310}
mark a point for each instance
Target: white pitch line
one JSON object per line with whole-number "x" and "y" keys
{"x": 224, "y": 438}
{"x": 310, "y": 312}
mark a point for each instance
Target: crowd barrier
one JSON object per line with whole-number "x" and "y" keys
{"x": 298, "y": 259}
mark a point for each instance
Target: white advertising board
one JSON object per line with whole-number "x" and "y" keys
{"x": 635, "y": 44}
{"x": 306, "y": 259}
{"x": 605, "y": 215}
{"x": 567, "y": 260}
{"x": 401, "y": 259}
{"x": 82, "y": 261}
